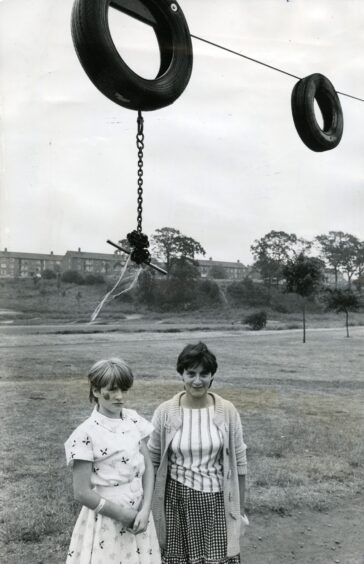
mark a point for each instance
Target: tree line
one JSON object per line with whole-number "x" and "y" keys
{"x": 342, "y": 252}
{"x": 339, "y": 251}
{"x": 291, "y": 269}
{"x": 292, "y": 264}
{"x": 301, "y": 264}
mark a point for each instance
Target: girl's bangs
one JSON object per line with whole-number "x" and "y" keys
{"x": 115, "y": 378}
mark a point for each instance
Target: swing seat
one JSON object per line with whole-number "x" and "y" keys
{"x": 307, "y": 90}
{"x": 106, "y": 68}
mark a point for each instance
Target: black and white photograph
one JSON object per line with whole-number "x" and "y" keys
{"x": 182, "y": 281}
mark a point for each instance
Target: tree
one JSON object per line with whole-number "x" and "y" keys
{"x": 184, "y": 268}
{"x": 272, "y": 252}
{"x": 169, "y": 243}
{"x": 73, "y": 277}
{"x": 349, "y": 248}
{"x": 182, "y": 285}
{"x": 340, "y": 250}
{"x": 92, "y": 279}
{"x": 343, "y": 301}
{"x": 124, "y": 243}
{"x": 48, "y": 274}
{"x": 217, "y": 272}
{"x": 303, "y": 275}
{"x": 360, "y": 264}
{"x": 210, "y": 293}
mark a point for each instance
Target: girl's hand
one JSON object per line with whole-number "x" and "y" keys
{"x": 127, "y": 517}
{"x": 141, "y": 522}
{"x": 244, "y": 522}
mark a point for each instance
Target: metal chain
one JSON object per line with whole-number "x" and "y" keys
{"x": 137, "y": 240}
{"x": 140, "y": 146}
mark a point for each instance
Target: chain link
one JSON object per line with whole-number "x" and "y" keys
{"x": 137, "y": 240}
{"x": 140, "y": 146}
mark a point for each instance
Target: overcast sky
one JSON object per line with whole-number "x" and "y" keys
{"x": 224, "y": 163}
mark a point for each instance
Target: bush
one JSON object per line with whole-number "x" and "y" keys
{"x": 179, "y": 291}
{"x": 256, "y": 321}
{"x": 73, "y": 276}
{"x": 285, "y": 303}
{"x": 209, "y": 290}
{"x": 146, "y": 288}
{"x": 48, "y": 274}
{"x": 248, "y": 292}
{"x": 92, "y": 279}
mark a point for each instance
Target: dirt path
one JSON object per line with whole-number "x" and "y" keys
{"x": 335, "y": 536}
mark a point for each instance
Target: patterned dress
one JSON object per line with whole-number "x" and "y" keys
{"x": 112, "y": 445}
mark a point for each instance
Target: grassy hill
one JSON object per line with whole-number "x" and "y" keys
{"x": 44, "y": 302}
{"x": 23, "y": 302}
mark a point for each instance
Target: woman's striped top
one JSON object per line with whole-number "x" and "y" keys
{"x": 195, "y": 455}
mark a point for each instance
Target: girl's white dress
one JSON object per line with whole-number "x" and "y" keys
{"x": 112, "y": 445}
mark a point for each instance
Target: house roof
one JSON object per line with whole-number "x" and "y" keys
{"x": 30, "y": 256}
{"x": 100, "y": 256}
{"x": 224, "y": 264}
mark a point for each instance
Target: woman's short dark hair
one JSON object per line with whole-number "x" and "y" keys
{"x": 193, "y": 355}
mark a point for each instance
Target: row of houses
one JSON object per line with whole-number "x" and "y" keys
{"x": 24, "y": 265}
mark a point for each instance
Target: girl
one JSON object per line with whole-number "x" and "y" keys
{"x": 113, "y": 476}
{"x": 198, "y": 450}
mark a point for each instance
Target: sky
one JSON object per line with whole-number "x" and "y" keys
{"x": 223, "y": 164}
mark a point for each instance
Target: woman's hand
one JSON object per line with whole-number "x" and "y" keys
{"x": 141, "y": 521}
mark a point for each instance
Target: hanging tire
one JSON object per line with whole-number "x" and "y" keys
{"x": 307, "y": 90}
{"x": 112, "y": 76}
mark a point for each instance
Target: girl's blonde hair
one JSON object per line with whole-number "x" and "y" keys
{"x": 111, "y": 373}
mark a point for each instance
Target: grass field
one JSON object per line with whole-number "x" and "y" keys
{"x": 301, "y": 408}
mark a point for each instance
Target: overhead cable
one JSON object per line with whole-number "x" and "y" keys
{"x": 262, "y": 63}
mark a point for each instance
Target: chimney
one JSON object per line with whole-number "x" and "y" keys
{"x": 210, "y": 258}
{"x": 51, "y": 253}
{"x": 5, "y": 250}
{"x": 79, "y": 249}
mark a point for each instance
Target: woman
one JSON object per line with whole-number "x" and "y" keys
{"x": 198, "y": 450}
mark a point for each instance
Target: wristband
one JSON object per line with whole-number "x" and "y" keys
{"x": 100, "y": 505}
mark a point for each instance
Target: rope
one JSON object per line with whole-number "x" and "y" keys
{"x": 108, "y": 297}
{"x": 263, "y": 64}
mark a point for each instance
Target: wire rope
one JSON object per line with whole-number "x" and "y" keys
{"x": 272, "y": 67}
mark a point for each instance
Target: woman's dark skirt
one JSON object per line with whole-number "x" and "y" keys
{"x": 196, "y": 527}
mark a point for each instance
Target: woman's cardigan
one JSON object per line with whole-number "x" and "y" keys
{"x": 166, "y": 420}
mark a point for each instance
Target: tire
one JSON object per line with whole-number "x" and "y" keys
{"x": 317, "y": 87}
{"x": 110, "y": 74}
